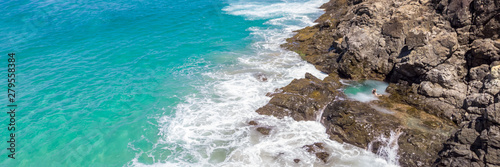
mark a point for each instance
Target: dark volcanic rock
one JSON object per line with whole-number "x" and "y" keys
{"x": 473, "y": 19}
{"x": 355, "y": 122}
{"x": 441, "y": 57}
{"x": 420, "y": 135}
{"x": 302, "y": 98}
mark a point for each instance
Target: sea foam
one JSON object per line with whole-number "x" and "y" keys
{"x": 211, "y": 128}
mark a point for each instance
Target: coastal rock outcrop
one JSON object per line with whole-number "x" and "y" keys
{"x": 302, "y": 98}
{"x": 441, "y": 57}
{"x": 366, "y": 125}
{"x": 417, "y": 135}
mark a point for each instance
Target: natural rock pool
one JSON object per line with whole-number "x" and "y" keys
{"x": 362, "y": 90}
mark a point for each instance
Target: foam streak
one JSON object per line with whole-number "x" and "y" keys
{"x": 212, "y": 127}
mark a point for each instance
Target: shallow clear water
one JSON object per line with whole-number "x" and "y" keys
{"x": 163, "y": 83}
{"x": 362, "y": 90}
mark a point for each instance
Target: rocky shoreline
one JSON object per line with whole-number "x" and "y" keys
{"x": 442, "y": 60}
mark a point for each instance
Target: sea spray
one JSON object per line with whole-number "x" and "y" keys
{"x": 319, "y": 114}
{"x": 211, "y": 128}
{"x": 388, "y": 146}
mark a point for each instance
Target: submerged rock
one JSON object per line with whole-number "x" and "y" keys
{"x": 252, "y": 123}
{"x": 323, "y": 156}
{"x": 264, "y": 130}
{"x": 318, "y": 150}
{"x": 261, "y": 77}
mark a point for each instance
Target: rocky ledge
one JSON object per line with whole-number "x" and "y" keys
{"x": 442, "y": 60}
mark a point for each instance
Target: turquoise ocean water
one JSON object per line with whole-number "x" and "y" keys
{"x": 362, "y": 90}
{"x": 162, "y": 83}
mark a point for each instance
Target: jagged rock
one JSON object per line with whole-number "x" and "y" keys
{"x": 302, "y": 98}
{"x": 480, "y": 17}
{"x": 484, "y": 51}
{"x": 479, "y": 72}
{"x": 467, "y": 136}
{"x": 393, "y": 28}
{"x": 441, "y": 57}
{"x": 493, "y": 113}
{"x": 479, "y": 100}
{"x": 359, "y": 124}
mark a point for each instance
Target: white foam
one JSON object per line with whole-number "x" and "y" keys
{"x": 363, "y": 97}
{"x": 211, "y": 128}
{"x": 263, "y": 10}
{"x": 319, "y": 115}
{"x": 388, "y": 146}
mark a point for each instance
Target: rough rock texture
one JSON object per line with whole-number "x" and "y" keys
{"x": 364, "y": 125}
{"x": 360, "y": 124}
{"x": 441, "y": 56}
{"x": 302, "y": 98}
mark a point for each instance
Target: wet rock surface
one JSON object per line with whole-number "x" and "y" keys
{"x": 318, "y": 150}
{"x": 419, "y": 135}
{"x": 357, "y": 123}
{"x": 360, "y": 124}
{"x": 302, "y": 98}
{"x": 263, "y": 130}
{"x": 442, "y": 59}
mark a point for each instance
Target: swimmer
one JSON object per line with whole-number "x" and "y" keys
{"x": 374, "y": 92}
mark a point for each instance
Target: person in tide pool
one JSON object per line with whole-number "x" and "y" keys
{"x": 374, "y": 92}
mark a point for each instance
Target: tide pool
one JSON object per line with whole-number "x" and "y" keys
{"x": 362, "y": 90}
